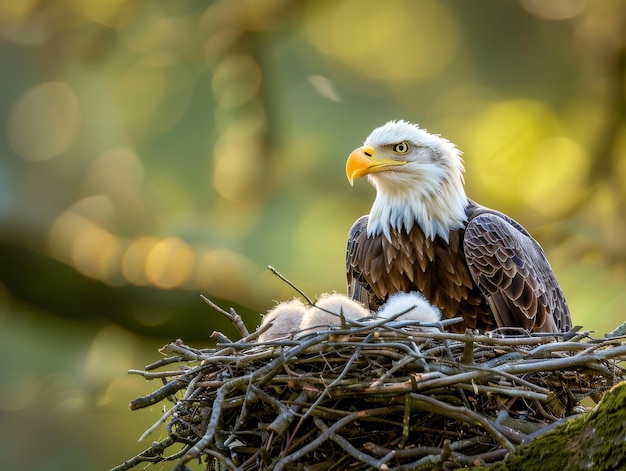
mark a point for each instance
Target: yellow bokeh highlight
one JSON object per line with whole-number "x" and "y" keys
{"x": 320, "y": 237}
{"x": 134, "y": 260}
{"x": 22, "y": 23}
{"x": 62, "y": 233}
{"x": 151, "y": 31}
{"x": 106, "y": 12}
{"x": 605, "y": 207}
{"x": 118, "y": 174}
{"x": 516, "y": 154}
{"x": 44, "y": 122}
{"x": 169, "y": 263}
{"x": 236, "y": 221}
{"x": 558, "y": 169}
{"x": 236, "y": 80}
{"x": 138, "y": 94}
{"x": 96, "y": 253}
{"x": 620, "y": 153}
{"x": 386, "y": 41}
{"x": 114, "y": 167}
{"x": 97, "y": 209}
{"x": 237, "y": 166}
{"x": 225, "y": 272}
{"x": 555, "y": 10}
{"x": 85, "y": 244}
{"x": 497, "y": 139}
{"x": 111, "y": 351}
{"x": 246, "y": 15}
{"x": 247, "y": 125}
{"x": 10, "y": 10}
{"x": 153, "y": 94}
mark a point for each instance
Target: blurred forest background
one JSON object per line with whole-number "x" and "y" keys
{"x": 151, "y": 151}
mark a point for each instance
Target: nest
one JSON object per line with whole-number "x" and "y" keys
{"x": 379, "y": 395}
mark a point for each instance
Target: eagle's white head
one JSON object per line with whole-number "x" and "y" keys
{"x": 418, "y": 178}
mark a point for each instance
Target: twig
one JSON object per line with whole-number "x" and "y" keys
{"x": 332, "y": 429}
{"x": 462, "y": 414}
{"x": 232, "y": 316}
{"x": 347, "y": 447}
{"x": 154, "y": 454}
{"x": 337, "y": 380}
{"x": 159, "y": 422}
{"x": 300, "y": 292}
{"x": 285, "y": 418}
{"x": 157, "y": 396}
{"x": 154, "y": 375}
{"x": 163, "y": 362}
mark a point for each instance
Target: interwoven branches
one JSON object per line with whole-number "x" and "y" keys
{"x": 383, "y": 395}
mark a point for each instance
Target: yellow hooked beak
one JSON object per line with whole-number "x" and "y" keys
{"x": 363, "y": 161}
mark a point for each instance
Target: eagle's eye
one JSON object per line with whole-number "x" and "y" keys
{"x": 401, "y": 148}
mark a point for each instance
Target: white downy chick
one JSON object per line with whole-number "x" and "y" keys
{"x": 326, "y": 312}
{"x": 416, "y": 307}
{"x": 285, "y": 318}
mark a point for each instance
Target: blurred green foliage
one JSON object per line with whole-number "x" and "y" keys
{"x": 153, "y": 151}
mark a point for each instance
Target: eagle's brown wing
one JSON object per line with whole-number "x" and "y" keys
{"x": 512, "y": 271}
{"x": 357, "y": 286}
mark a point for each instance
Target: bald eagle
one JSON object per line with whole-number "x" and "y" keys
{"x": 424, "y": 234}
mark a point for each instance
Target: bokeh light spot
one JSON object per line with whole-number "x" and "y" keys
{"x": 558, "y": 168}
{"x": 169, "y": 263}
{"x": 384, "y": 40}
{"x": 115, "y": 166}
{"x": 555, "y": 9}
{"x": 225, "y": 272}
{"x": 236, "y": 80}
{"x": 71, "y": 401}
{"x": 237, "y": 166}
{"x": 111, "y": 351}
{"x": 23, "y": 24}
{"x": 139, "y": 92}
{"x": 16, "y": 11}
{"x": 78, "y": 237}
{"x": 499, "y": 144}
{"x": 255, "y": 15}
{"x": 134, "y": 260}
{"x": 62, "y": 233}
{"x": 151, "y": 31}
{"x": 118, "y": 174}
{"x": 320, "y": 238}
{"x": 246, "y": 125}
{"x": 96, "y": 253}
{"x": 96, "y": 208}
{"x": 107, "y": 12}
{"x": 44, "y": 122}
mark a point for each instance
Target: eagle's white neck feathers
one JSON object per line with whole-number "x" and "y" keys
{"x": 427, "y": 190}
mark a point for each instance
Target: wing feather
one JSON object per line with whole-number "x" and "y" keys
{"x": 357, "y": 287}
{"x": 513, "y": 273}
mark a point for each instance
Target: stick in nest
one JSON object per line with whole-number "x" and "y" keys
{"x": 232, "y": 316}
